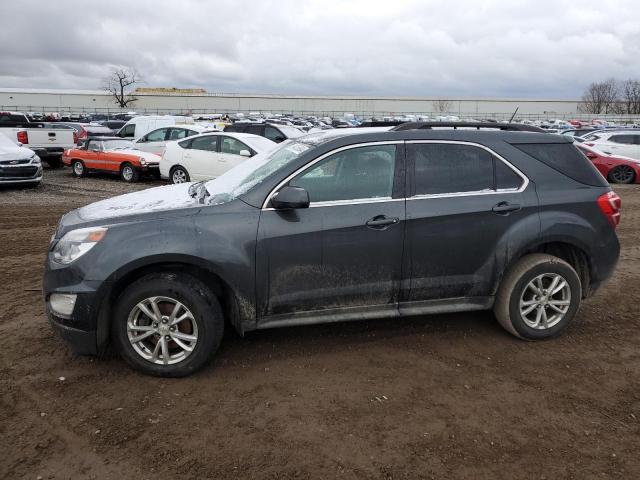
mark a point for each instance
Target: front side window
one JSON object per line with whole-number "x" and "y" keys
{"x": 128, "y": 131}
{"x": 442, "y": 168}
{"x": 274, "y": 134}
{"x": 94, "y": 145}
{"x": 157, "y": 136}
{"x": 208, "y": 143}
{"x": 356, "y": 173}
{"x": 232, "y": 146}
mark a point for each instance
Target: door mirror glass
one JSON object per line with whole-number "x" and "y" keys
{"x": 288, "y": 198}
{"x": 245, "y": 153}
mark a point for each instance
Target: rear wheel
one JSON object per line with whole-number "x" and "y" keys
{"x": 167, "y": 325}
{"x": 622, "y": 174}
{"x": 538, "y": 298}
{"x": 179, "y": 175}
{"x": 78, "y": 168}
{"x": 128, "y": 173}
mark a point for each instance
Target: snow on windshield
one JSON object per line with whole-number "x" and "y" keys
{"x": 240, "y": 179}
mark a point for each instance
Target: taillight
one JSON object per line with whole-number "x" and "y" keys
{"x": 75, "y": 137}
{"x": 23, "y": 138}
{"x": 610, "y": 204}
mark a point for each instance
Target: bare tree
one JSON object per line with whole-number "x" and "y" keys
{"x": 118, "y": 84}
{"x": 631, "y": 96}
{"x": 600, "y": 97}
{"x": 441, "y": 106}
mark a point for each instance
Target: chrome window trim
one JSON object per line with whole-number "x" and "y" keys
{"x": 334, "y": 202}
{"x": 522, "y": 188}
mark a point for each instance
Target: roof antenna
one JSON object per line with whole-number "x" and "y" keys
{"x": 514, "y": 114}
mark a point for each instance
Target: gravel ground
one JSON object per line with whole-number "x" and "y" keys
{"x": 447, "y": 396}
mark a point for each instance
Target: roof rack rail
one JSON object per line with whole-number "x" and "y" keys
{"x": 512, "y": 127}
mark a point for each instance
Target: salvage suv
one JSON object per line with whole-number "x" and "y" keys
{"x": 336, "y": 226}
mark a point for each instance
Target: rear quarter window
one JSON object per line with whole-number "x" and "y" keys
{"x": 566, "y": 159}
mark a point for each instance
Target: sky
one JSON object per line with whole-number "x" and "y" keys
{"x": 453, "y": 49}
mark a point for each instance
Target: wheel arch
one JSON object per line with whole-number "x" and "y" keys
{"x": 237, "y": 310}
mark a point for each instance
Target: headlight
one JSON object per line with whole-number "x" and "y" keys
{"x": 35, "y": 160}
{"x": 142, "y": 161}
{"x": 76, "y": 243}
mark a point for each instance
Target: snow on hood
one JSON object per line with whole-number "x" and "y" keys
{"x": 151, "y": 200}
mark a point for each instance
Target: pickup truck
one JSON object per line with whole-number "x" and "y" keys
{"x": 47, "y": 143}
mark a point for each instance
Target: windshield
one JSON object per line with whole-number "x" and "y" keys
{"x": 240, "y": 179}
{"x": 117, "y": 144}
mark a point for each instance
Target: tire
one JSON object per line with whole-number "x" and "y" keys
{"x": 622, "y": 174}
{"x": 54, "y": 162}
{"x": 78, "y": 168}
{"x": 516, "y": 287}
{"x": 129, "y": 173}
{"x": 196, "y": 299}
{"x": 179, "y": 175}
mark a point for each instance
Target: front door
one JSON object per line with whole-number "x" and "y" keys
{"x": 462, "y": 204}
{"x": 342, "y": 255}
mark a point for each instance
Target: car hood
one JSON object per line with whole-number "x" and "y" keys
{"x": 15, "y": 153}
{"x": 171, "y": 197}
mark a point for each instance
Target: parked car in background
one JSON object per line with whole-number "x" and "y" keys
{"x": 615, "y": 169}
{"x": 209, "y": 155}
{"x": 156, "y": 140}
{"x": 47, "y": 143}
{"x": 18, "y": 165}
{"x": 112, "y": 155}
{"x": 275, "y": 133}
{"x": 139, "y": 126}
{"x": 577, "y": 132}
{"x": 624, "y": 143}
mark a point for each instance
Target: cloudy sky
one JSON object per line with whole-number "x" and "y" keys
{"x": 465, "y": 48}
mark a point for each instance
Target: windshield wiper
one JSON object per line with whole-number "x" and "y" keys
{"x": 198, "y": 191}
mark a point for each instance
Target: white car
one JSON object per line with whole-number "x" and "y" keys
{"x": 209, "y": 155}
{"x": 625, "y": 143}
{"x": 18, "y": 165}
{"x": 156, "y": 140}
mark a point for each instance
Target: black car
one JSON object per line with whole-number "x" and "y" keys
{"x": 337, "y": 226}
{"x": 275, "y": 133}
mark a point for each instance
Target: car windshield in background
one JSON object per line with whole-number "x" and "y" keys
{"x": 240, "y": 179}
{"x": 291, "y": 132}
{"x": 117, "y": 144}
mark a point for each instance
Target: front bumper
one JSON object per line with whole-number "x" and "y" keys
{"x": 79, "y": 329}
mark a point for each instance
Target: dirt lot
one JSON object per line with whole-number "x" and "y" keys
{"x": 449, "y": 396}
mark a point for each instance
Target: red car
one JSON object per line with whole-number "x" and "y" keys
{"x": 614, "y": 169}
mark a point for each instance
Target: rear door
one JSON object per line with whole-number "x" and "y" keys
{"x": 343, "y": 254}
{"x": 201, "y": 158}
{"x": 462, "y": 204}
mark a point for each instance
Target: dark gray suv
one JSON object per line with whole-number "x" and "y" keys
{"x": 337, "y": 226}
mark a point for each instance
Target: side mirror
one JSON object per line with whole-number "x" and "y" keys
{"x": 288, "y": 198}
{"x": 245, "y": 153}
{"x": 591, "y": 155}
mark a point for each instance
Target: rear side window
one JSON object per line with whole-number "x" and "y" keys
{"x": 627, "y": 139}
{"x": 449, "y": 168}
{"x": 566, "y": 159}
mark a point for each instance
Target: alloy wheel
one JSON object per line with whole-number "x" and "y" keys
{"x": 179, "y": 176}
{"x": 545, "y": 301}
{"x": 162, "y": 330}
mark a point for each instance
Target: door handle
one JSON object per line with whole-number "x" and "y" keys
{"x": 380, "y": 222}
{"x": 505, "y": 208}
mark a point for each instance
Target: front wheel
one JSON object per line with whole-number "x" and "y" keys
{"x": 167, "y": 325}
{"x": 538, "y": 298}
{"x": 622, "y": 174}
{"x": 128, "y": 173}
